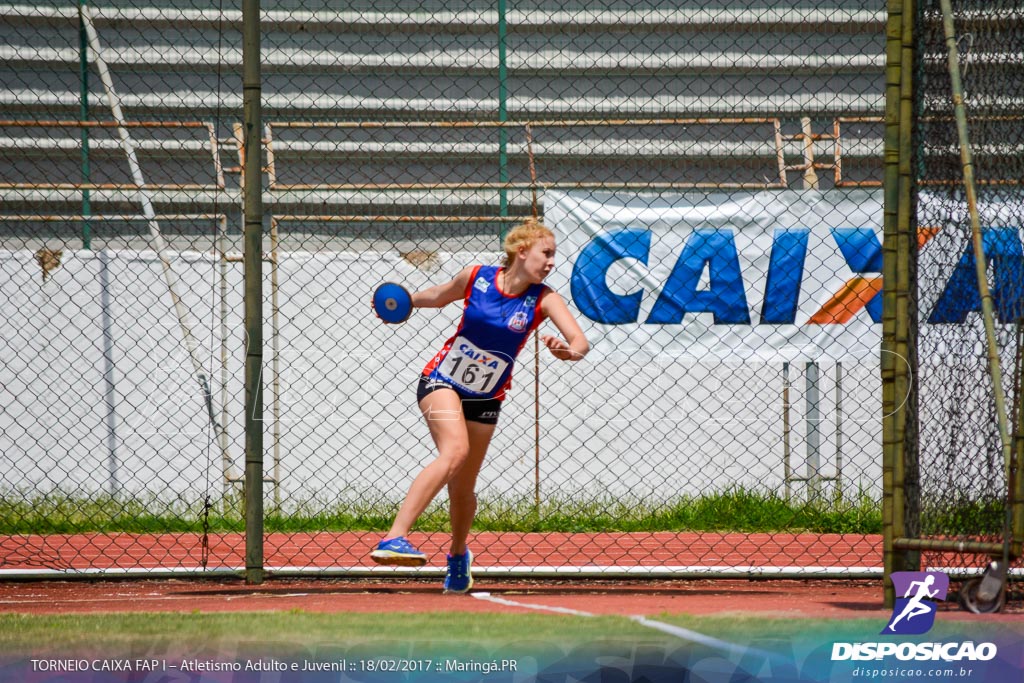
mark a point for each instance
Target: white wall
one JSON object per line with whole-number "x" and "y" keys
{"x": 651, "y": 427}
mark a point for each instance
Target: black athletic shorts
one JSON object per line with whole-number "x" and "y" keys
{"x": 482, "y": 410}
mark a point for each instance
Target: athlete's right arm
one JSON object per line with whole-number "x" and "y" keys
{"x": 442, "y": 295}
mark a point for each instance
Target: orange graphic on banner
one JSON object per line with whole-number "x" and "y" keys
{"x": 845, "y": 303}
{"x": 858, "y": 291}
{"x": 925, "y": 234}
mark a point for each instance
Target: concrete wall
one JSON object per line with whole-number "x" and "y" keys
{"x": 100, "y": 394}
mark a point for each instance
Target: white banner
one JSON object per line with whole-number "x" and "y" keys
{"x": 766, "y": 276}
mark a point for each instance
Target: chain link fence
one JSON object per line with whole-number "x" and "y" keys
{"x": 712, "y": 172}
{"x": 958, "y": 478}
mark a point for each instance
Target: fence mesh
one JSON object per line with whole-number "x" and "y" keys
{"x": 963, "y": 481}
{"x": 712, "y": 172}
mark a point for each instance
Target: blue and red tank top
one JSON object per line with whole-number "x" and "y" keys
{"x": 477, "y": 360}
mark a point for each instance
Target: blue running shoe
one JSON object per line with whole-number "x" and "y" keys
{"x": 398, "y": 551}
{"x": 459, "y": 579}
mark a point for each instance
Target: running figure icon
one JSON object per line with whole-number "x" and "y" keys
{"x": 916, "y": 607}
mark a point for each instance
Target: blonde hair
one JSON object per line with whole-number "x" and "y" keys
{"x": 524, "y": 235}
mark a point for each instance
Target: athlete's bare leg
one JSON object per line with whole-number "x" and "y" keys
{"x": 443, "y": 411}
{"x": 462, "y": 487}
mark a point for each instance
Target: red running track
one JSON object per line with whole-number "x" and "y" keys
{"x": 328, "y": 550}
{"x": 839, "y": 598}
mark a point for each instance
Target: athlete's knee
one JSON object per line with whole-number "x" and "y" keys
{"x": 454, "y": 457}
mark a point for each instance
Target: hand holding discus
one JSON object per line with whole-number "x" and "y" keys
{"x": 392, "y": 303}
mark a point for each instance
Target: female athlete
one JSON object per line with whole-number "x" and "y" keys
{"x": 461, "y": 389}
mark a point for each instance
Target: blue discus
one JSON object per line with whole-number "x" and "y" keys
{"x": 392, "y": 302}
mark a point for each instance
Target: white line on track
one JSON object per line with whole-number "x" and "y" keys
{"x": 694, "y": 636}
{"x": 118, "y": 598}
{"x": 511, "y": 603}
{"x": 677, "y": 631}
{"x": 154, "y": 598}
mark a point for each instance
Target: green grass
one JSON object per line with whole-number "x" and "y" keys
{"x": 979, "y": 517}
{"x": 737, "y": 509}
{"x": 249, "y": 631}
{"x": 287, "y": 633}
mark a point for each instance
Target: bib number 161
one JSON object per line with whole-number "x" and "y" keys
{"x": 471, "y": 368}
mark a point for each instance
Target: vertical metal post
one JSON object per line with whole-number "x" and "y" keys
{"x": 898, "y": 303}
{"x": 253, "y": 264}
{"x": 108, "y": 373}
{"x": 787, "y": 467}
{"x": 275, "y": 361}
{"x": 810, "y": 174}
{"x": 813, "y": 457}
{"x": 83, "y": 115}
{"x": 536, "y": 422}
{"x": 839, "y": 433}
{"x": 1015, "y": 503}
{"x": 1015, "y": 486}
{"x": 536, "y": 337}
{"x": 502, "y": 110}
{"x": 222, "y": 229}
{"x": 988, "y": 314}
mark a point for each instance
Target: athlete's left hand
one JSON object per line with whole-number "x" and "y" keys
{"x": 559, "y": 348}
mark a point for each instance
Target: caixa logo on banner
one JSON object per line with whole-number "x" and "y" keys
{"x": 724, "y": 295}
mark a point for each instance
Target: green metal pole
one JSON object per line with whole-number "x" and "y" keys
{"x": 938, "y": 545}
{"x": 987, "y": 311}
{"x": 253, "y": 265}
{"x": 1016, "y": 484}
{"x": 907, "y": 307}
{"x": 892, "y": 446}
{"x": 897, "y": 298}
{"x": 502, "y": 110}
{"x": 83, "y": 115}
{"x": 1013, "y": 520}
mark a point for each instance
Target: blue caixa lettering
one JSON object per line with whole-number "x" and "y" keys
{"x": 714, "y": 250}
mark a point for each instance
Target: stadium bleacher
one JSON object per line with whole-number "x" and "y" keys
{"x": 639, "y": 94}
